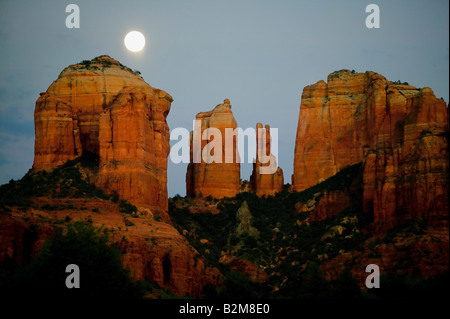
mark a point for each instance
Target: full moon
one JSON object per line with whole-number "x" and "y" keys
{"x": 134, "y": 41}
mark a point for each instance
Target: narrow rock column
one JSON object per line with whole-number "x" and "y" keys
{"x": 265, "y": 184}
{"x": 221, "y": 177}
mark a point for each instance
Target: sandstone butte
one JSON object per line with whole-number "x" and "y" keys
{"x": 105, "y": 108}
{"x": 216, "y": 179}
{"x": 265, "y": 184}
{"x": 397, "y": 131}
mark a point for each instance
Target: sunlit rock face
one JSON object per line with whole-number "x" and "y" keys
{"x": 217, "y": 179}
{"x": 263, "y": 183}
{"x": 400, "y": 133}
{"x": 104, "y": 108}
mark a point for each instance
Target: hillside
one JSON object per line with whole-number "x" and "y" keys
{"x": 35, "y": 208}
{"x": 271, "y": 247}
{"x": 288, "y": 250}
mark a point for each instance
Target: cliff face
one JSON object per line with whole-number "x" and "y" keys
{"x": 57, "y": 133}
{"x": 92, "y": 108}
{"x": 214, "y": 179}
{"x": 406, "y": 176}
{"x": 134, "y": 145}
{"x": 398, "y": 131}
{"x": 337, "y": 122}
{"x": 262, "y": 183}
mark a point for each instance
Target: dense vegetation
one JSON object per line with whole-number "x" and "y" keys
{"x": 78, "y": 242}
{"x": 289, "y": 249}
{"x": 65, "y": 181}
{"x": 95, "y": 64}
{"x": 275, "y": 219}
{"x": 101, "y": 272}
{"x": 285, "y": 245}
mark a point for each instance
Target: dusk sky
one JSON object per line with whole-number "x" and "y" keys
{"x": 258, "y": 54}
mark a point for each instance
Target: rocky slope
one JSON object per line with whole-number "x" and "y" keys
{"x": 398, "y": 131}
{"x": 219, "y": 178}
{"x": 278, "y": 241}
{"x": 91, "y": 108}
{"x": 150, "y": 248}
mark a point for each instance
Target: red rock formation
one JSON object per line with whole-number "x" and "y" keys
{"x": 133, "y": 142}
{"x": 57, "y": 133}
{"x": 92, "y": 108}
{"x": 104, "y": 108}
{"x": 336, "y": 124}
{"x": 265, "y": 184}
{"x": 167, "y": 259}
{"x": 328, "y": 205}
{"x": 245, "y": 267}
{"x": 399, "y": 131}
{"x": 221, "y": 177}
{"x": 406, "y": 176}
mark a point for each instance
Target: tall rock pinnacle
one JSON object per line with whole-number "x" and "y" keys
{"x": 265, "y": 184}
{"x": 221, "y": 177}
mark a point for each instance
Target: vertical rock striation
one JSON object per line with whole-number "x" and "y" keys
{"x": 220, "y": 177}
{"x": 262, "y": 183}
{"x": 134, "y": 145}
{"x": 104, "y": 108}
{"x": 398, "y": 131}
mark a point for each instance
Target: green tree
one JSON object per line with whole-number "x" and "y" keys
{"x": 101, "y": 272}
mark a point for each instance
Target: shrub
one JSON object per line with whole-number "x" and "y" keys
{"x": 177, "y": 197}
{"x": 47, "y": 206}
{"x": 86, "y": 63}
{"x": 101, "y": 272}
{"x": 115, "y": 197}
{"x": 106, "y": 64}
{"x": 128, "y": 223}
{"x": 400, "y": 82}
{"x": 126, "y": 207}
